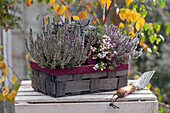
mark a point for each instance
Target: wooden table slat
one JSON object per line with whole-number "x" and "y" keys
{"x": 29, "y": 101}
{"x": 23, "y": 93}
{"x": 95, "y": 107}
{"x": 84, "y": 98}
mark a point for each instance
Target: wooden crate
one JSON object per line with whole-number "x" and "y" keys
{"x": 77, "y": 80}
{"x": 29, "y": 101}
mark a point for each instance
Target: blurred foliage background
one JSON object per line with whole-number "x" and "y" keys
{"x": 129, "y": 15}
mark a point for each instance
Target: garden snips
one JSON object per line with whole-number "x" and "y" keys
{"x": 140, "y": 83}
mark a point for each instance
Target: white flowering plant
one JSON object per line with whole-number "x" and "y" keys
{"x": 114, "y": 48}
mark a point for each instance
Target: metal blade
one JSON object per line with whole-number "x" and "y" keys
{"x": 144, "y": 79}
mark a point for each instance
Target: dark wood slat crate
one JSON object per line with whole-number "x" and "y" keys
{"x": 81, "y": 83}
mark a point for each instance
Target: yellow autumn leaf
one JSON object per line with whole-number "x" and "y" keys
{"x": 133, "y": 34}
{"x": 88, "y": 4}
{"x": 72, "y": 1}
{"x": 124, "y": 14}
{"x": 148, "y": 86}
{"x": 14, "y": 79}
{"x": 108, "y": 3}
{"x": 150, "y": 25}
{"x": 143, "y": 44}
{"x": 82, "y": 15}
{"x": 74, "y": 17}
{"x": 56, "y": 7}
{"x": 2, "y": 79}
{"x": 14, "y": 92}
{"x": 128, "y": 2}
{"x": 140, "y": 23}
{"x": 13, "y": 2}
{"x": 51, "y": 2}
{"x": 129, "y": 74}
{"x": 62, "y": 10}
{"x": 28, "y": 2}
{"x": 5, "y": 91}
{"x": 94, "y": 20}
{"x": 11, "y": 95}
{"x": 67, "y": 12}
{"x": 1, "y": 48}
{"x": 13, "y": 100}
{"x": 46, "y": 20}
{"x": 158, "y": 28}
{"x": 2, "y": 64}
{"x": 87, "y": 7}
{"x": 1, "y": 97}
{"x": 81, "y": 1}
{"x": 102, "y": 2}
{"x": 121, "y": 25}
{"x": 27, "y": 55}
{"x": 134, "y": 16}
{"x": 136, "y": 77}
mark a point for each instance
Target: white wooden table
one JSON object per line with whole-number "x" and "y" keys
{"x": 29, "y": 101}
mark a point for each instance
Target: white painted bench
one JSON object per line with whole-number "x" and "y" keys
{"x": 29, "y": 101}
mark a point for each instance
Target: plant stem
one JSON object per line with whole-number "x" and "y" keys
{"x": 107, "y": 12}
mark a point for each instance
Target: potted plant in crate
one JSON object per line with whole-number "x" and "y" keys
{"x": 62, "y": 61}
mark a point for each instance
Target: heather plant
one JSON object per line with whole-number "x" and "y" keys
{"x": 114, "y": 48}
{"x": 61, "y": 44}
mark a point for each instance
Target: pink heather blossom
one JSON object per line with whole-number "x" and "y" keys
{"x": 115, "y": 47}
{"x": 93, "y": 48}
{"x": 99, "y": 55}
{"x": 115, "y": 52}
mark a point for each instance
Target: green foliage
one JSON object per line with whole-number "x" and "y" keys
{"x": 143, "y": 11}
{"x": 29, "y": 69}
{"x": 46, "y": 1}
{"x": 39, "y": 1}
{"x": 167, "y": 28}
{"x": 111, "y": 67}
{"x": 157, "y": 92}
{"x": 95, "y": 4}
{"x": 161, "y": 3}
{"x": 1, "y": 58}
{"x": 9, "y": 12}
{"x": 16, "y": 87}
{"x": 160, "y": 110}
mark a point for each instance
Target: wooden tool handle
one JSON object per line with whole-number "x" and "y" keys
{"x": 122, "y": 92}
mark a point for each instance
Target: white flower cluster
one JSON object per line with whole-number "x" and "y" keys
{"x": 101, "y": 65}
{"x": 105, "y": 46}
